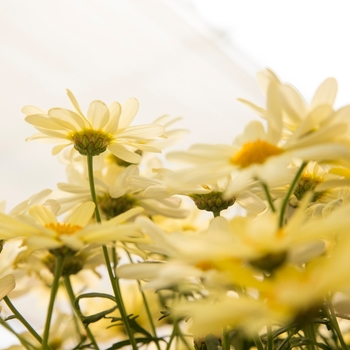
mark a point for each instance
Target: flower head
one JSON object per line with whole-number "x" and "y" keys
{"x": 103, "y": 128}
{"x": 42, "y": 230}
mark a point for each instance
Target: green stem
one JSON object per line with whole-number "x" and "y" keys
{"x": 19, "y": 317}
{"x": 71, "y": 295}
{"x": 216, "y": 213}
{"x": 333, "y": 319}
{"x": 113, "y": 279}
{"x": 225, "y": 340}
{"x": 177, "y": 333}
{"x": 289, "y": 193}
{"x": 145, "y": 303}
{"x": 257, "y": 341}
{"x": 54, "y": 287}
{"x": 269, "y": 338}
{"x": 287, "y": 339}
{"x": 268, "y": 196}
{"x": 23, "y": 341}
{"x": 309, "y": 332}
{"x": 92, "y": 185}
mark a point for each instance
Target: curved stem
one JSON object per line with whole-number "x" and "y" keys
{"x": 71, "y": 295}
{"x": 112, "y": 277}
{"x": 54, "y": 287}
{"x": 268, "y": 196}
{"x": 289, "y": 193}
{"x": 19, "y": 317}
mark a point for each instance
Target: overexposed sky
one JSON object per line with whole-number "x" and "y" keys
{"x": 303, "y": 41}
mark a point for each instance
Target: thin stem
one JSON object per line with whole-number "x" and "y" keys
{"x": 309, "y": 332}
{"x": 289, "y": 193}
{"x": 119, "y": 299}
{"x": 112, "y": 277}
{"x": 177, "y": 333}
{"x": 23, "y": 341}
{"x": 225, "y": 340}
{"x": 55, "y": 283}
{"x": 92, "y": 185}
{"x": 268, "y": 196}
{"x": 257, "y": 341}
{"x": 287, "y": 339}
{"x": 269, "y": 337}
{"x": 19, "y": 317}
{"x": 333, "y": 319}
{"x": 145, "y": 303}
{"x": 71, "y": 295}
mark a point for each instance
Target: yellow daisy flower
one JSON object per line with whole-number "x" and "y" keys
{"x": 41, "y": 229}
{"x": 323, "y": 136}
{"x": 103, "y": 128}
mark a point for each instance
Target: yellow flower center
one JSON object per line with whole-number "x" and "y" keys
{"x": 255, "y": 152}
{"x": 63, "y": 229}
{"x": 205, "y": 265}
{"x": 90, "y": 141}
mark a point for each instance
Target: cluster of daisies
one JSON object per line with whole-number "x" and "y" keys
{"x": 186, "y": 269}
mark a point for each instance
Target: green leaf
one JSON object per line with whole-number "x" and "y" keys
{"x": 133, "y": 324}
{"x": 141, "y": 341}
{"x": 95, "y": 317}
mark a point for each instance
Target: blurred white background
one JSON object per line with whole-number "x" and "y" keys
{"x": 191, "y": 58}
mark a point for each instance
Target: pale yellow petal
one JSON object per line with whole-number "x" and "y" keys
{"x": 326, "y": 93}
{"x": 142, "y": 131}
{"x": 259, "y": 110}
{"x": 40, "y": 242}
{"x": 68, "y": 118}
{"x": 74, "y": 102}
{"x": 7, "y": 284}
{"x": 121, "y": 152}
{"x": 113, "y": 123}
{"x": 98, "y": 114}
{"x": 129, "y": 110}
{"x": 72, "y": 242}
{"x": 57, "y": 149}
{"x": 82, "y": 215}
{"x": 126, "y": 216}
{"x": 42, "y": 214}
{"x": 265, "y": 78}
{"x": 43, "y": 121}
{"x": 28, "y": 110}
